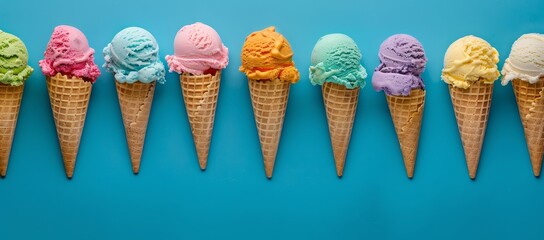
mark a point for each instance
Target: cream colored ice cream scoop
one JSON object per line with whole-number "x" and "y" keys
{"x": 526, "y": 60}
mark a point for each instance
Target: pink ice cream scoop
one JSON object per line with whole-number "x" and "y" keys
{"x": 68, "y": 53}
{"x": 198, "y": 49}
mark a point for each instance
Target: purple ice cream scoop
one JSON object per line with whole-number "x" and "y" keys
{"x": 402, "y": 60}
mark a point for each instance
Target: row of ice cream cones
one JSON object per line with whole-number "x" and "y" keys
{"x": 471, "y": 109}
{"x": 70, "y": 98}
{"x": 132, "y": 56}
{"x": 470, "y": 68}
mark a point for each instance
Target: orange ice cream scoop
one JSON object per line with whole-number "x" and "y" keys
{"x": 266, "y": 55}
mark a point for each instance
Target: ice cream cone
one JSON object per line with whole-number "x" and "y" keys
{"x": 135, "y": 100}
{"x": 200, "y": 94}
{"x": 471, "y": 108}
{"x": 530, "y": 99}
{"x": 10, "y": 102}
{"x": 69, "y": 101}
{"x": 407, "y": 113}
{"x": 340, "y": 105}
{"x": 269, "y": 99}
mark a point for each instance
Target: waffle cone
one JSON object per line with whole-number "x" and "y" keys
{"x": 530, "y": 100}
{"x": 471, "y": 108}
{"x": 340, "y": 105}
{"x": 69, "y": 101}
{"x": 269, "y": 100}
{"x": 407, "y": 113}
{"x": 200, "y": 96}
{"x": 135, "y": 100}
{"x": 10, "y": 102}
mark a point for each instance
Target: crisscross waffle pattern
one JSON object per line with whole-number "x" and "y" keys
{"x": 10, "y": 102}
{"x": 530, "y": 100}
{"x": 407, "y": 113}
{"x": 200, "y": 93}
{"x": 471, "y": 108}
{"x": 340, "y": 105}
{"x": 69, "y": 101}
{"x": 135, "y": 100}
{"x": 269, "y": 99}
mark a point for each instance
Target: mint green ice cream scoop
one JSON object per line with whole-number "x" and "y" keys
{"x": 14, "y": 69}
{"x": 336, "y": 58}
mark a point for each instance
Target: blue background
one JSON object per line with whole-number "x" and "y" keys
{"x": 171, "y": 198}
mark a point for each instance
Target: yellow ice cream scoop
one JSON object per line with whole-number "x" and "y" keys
{"x": 266, "y": 55}
{"x": 468, "y": 60}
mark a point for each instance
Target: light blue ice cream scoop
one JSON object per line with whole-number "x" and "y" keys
{"x": 133, "y": 55}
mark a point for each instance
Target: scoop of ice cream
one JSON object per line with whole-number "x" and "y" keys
{"x": 336, "y": 58}
{"x": 14, "y": 69}
{"x": 197, "y": 49}
{"x": 526, "y": 60}
{"x": 402, "y": 60}
{"x": 133, "y": 55}
{"x": 266, "y": 55}
{"x": 68, "y": 53}
{"x": 470, "y": 59}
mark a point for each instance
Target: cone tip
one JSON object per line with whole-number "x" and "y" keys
{"x": 3, "y": 173}
{"x": 136, "y": 167}
{"x": 472, "y": 172}
{"x": 202, "y": 159}
{"x": 69, "y": 166}
{"x": 339, "y": 162}
{"x": 410, "y": 173}
{"x": 536, "y": 162}
{"x": 339, "y": 172}
{"x": 203, "y": 166}
{"x": 536, "y": 171}
{"x": 269, "y": 171}
{"x": 269, "y": 168}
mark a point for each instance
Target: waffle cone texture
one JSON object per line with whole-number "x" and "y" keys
{"x": 530, "y": 100}
{"x": 69, "y": 102}
{"x": 269, "y": 100}
{"x": 340, "y": 106}
{"x": 471, "y": 107}
{"x": 135, "y": 100}
{"x": 10, "y": 102}
{"x": 406, "y": 113}
{"x": 200, "y": 93}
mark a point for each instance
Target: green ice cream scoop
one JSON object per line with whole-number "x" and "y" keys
{"x": 336, "y": 58}
{"x": 14, "y": 69}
